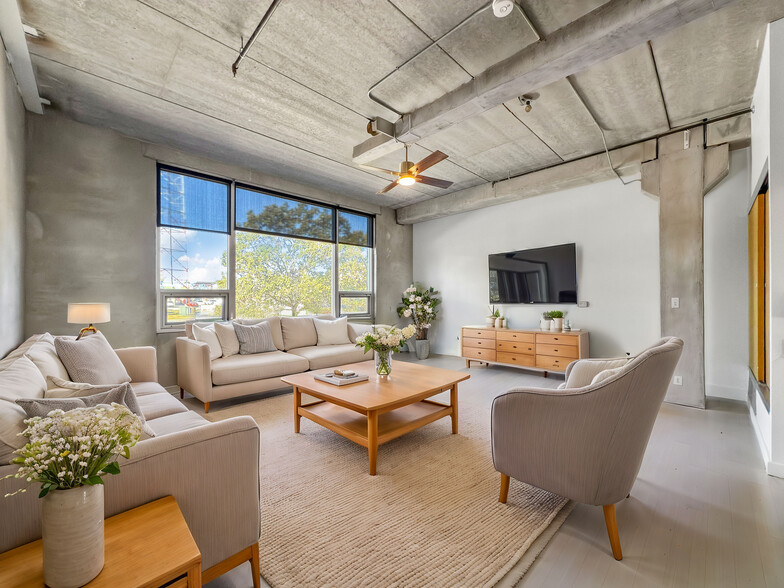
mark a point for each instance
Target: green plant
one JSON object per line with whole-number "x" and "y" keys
{"x": 546, "y": 316}
{"x": 556, "y": 314}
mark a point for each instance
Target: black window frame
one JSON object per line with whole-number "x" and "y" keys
{"x": 201, "y": 176}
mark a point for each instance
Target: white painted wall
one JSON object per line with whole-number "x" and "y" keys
{"x": 726, "y": 283}
{"x": 12, "y": 121}
{"x": 616, "y": 230}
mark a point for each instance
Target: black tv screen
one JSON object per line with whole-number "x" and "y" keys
{"x": 534, "y": 276}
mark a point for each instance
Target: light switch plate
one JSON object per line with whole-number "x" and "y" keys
{"x": 678, "y": 380}
{"x": 676, "y": 303}
{"x": 583, "y": 304}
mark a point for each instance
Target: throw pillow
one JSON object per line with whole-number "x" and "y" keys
{"x": 11, "y": 426}
{"x": 207, "y": 335}
{"x": 584, "y": 370}
{"x": 255, "y": 338}
{"x": 227, "y": 337}
{"x": 332, "y": 332}
{"x": 91, "y": 359}
{"x": 122, "y": 394}
{"x": 605, "y": 375}
{"x": 298, "y": 331}
{"x": 59, "y": 388}
{"x": 22, "y": 380}
{"x": 43, "y": 354}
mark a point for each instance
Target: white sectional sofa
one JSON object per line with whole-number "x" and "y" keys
{"x": 211, "y": 469}
{"x": 234, "y": 375}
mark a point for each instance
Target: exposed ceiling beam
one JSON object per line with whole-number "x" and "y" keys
{"x": 602, "y": 34}
{"x": 13, "y": 37}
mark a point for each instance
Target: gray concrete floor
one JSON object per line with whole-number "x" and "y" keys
{"x": 703, "y": 512}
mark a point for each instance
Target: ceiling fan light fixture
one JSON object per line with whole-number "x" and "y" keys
{"x": 407, "y": 180}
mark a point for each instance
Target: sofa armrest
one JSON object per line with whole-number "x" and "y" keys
{"x": 212, "y": 471}
{"x": 141, "y": 363}
{"x": 194, "y": 370}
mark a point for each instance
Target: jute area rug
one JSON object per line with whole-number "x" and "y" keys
{"x": 431, "y": 516}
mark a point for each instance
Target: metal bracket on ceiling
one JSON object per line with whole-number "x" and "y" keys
{"x": 246, "y": 47}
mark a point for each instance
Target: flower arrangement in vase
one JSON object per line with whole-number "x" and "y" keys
{"x": 384, "y": 341}
{"x": 68, "y": 453}
{"x": 420, "y": 304}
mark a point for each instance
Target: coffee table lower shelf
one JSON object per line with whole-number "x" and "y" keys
{"x": 391, "y": 425}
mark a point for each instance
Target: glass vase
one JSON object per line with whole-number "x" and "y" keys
{"x": 383, "y": 362}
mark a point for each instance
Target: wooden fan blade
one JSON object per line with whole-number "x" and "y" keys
{"x": 433, "y": 181}
{"x": 380, "y": 169}
{"x": 427, "y": 162}
{"x": 387, "y": 188}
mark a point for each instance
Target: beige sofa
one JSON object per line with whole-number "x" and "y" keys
{"x": 212, "y": 469}
{"x": 238, "y": 375}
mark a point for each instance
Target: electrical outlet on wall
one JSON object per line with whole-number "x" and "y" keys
{"x": 678, "y": 380}
{"x": 582, "y": 304}
{"x": 676, "y": 303}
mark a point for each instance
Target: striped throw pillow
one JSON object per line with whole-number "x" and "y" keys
{"x": 255, "y": 338}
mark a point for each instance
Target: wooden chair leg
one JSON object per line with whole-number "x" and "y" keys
{"x": 182, "y": 393}
{"x": 254, "y": 565}
{"x": 504, "y": 488}
{"x": 206, "y": 407}
{"x": 612, "y": 530}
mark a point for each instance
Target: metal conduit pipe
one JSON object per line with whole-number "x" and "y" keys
{"x": 245, "y": 48}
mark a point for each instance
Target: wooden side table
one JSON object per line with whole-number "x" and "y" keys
{"x": 145, "y": 547}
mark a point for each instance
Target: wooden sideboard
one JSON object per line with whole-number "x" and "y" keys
{"x": 548, "y": 351}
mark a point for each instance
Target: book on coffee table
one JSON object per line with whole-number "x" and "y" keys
{"x": 335, "y": 380}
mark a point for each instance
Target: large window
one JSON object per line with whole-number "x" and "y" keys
{"x": 282, "y": 256}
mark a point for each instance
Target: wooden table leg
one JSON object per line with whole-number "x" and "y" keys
{"x": 372, "y": 417}
{"x": 453, "y": 399}
{"x": 297, "y": 404}
{"x": 194, "y": 576}
{"x": 468, "y": 363}
{"x": 254, "y": 565}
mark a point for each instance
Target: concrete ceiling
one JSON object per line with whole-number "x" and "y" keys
{"x": 161, "y": 71}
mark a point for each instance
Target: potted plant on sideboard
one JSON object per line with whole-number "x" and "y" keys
{"x": 545, "y": 321}
{"x": 420, "y": 305}
{"x": 557, "y": 317}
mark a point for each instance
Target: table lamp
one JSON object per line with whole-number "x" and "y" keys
{"x": 88, "y": 312}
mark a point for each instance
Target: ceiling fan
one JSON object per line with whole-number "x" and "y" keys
{"x": 409, "y": 172}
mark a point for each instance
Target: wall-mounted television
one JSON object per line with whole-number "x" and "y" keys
{"x": 547, "y": 275}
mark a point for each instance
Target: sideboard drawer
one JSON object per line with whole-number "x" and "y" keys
{"x": 514, "y": 347}
{"x": 481, "y": 343}
{"x": 476, "y": 353}
{"x": 556, "y": 364}
{"x": 558, "y": 350}
{"x": 515, "y": 359}
{"x": 557, "y": 339}
{"x": 479, "y": 333}
{"x": 514, "y": 336}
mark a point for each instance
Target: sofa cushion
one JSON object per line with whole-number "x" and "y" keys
{"x": 19, "y": 351}
{"x": 227, "y": 337}
{"x": 147, "y": 388}
{"x": 209, "y": 336}
{"x": 324, "y": 356}
{"x": 43, "y": 354}
{"x": 154, "y": 406}
{"x": 180, "y": 421}
{"x": 332, "y": 332}
{"x": 274, "y": 324}
{"x": 22, "y": 380}
{"x": 91, "y": 359}
{"x": 298, "y": 331}
{"x": 247, "y": 368}
{"x": 255, "y": 338}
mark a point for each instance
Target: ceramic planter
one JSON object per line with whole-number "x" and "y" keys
{"x": 422, "y": 348}
{"x": 490, "y": 322}
{"x": 72, "y": 530}
{"x": 544, "y": 324}
{"x": 499, "y": 323}
{"x": 557, "y": 324}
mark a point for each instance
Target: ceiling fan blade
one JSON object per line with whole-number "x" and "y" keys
{"x": 427, "y": 162}
{"x": 433, "y": 181}
{"x": 380, "y": 169}
{"x": 388, "y": 188}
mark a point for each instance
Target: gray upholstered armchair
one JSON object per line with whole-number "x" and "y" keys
{"x": 585, "y": 441}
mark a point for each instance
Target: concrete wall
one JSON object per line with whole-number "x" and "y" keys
{"x": 12, "y": 120}
{"x": 91, "y": 230}
{"x": 616, "y": 229}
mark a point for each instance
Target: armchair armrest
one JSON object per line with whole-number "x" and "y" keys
{"x": 141, "y": 363}
{"x": 194, "y": 370}
{"x": 212, "y": 471}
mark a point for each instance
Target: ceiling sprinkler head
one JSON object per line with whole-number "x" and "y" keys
{"x": 526, "y": 101}
{"x": 502, "y": 8}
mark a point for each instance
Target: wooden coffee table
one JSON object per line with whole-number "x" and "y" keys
{"x": 381, "y": 409}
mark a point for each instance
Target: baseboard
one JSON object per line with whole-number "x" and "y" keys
{"x": 760, "y": 440}
{"x": 775, "y": 469}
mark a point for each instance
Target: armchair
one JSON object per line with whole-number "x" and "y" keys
{"x": 585, "y": 443}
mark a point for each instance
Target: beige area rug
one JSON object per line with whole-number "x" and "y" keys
{"x": 431, "y": 516}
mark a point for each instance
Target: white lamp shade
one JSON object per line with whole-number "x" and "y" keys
{"x": 89, "y": 312}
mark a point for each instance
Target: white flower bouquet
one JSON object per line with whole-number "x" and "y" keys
{"x": 75, "y": 448}
{"x": 420, "y": 305}
{"x": 384, "y": 341}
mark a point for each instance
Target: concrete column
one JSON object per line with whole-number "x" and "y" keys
{"x": 680, "y": 177}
